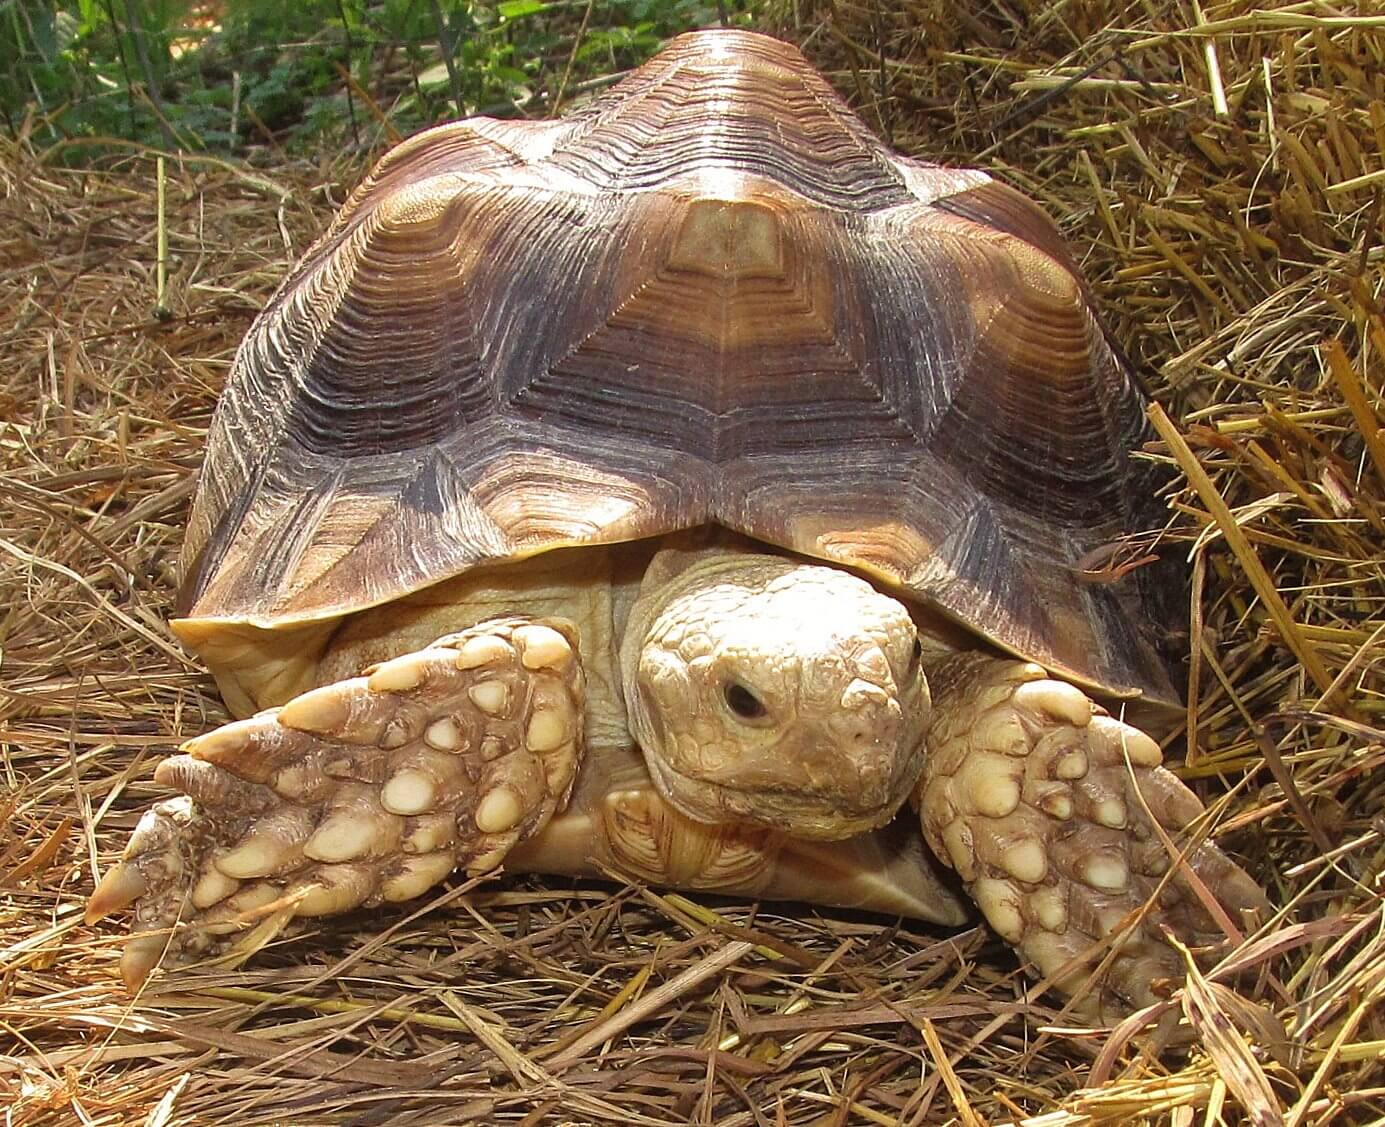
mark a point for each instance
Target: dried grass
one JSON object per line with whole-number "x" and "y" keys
{"x": 1221, "y": 170}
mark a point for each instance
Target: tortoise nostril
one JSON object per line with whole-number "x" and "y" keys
{"x": 868, "y": 722}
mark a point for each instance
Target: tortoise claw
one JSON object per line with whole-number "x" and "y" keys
{"x": 119, "y": 888}
{"x": 141, "y": 955}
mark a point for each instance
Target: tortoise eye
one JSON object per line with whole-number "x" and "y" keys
{"x": 743, "y": 703}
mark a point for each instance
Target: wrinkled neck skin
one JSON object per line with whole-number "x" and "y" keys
{"x": 769, "y": 691}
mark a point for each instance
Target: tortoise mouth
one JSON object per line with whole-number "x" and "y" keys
{"x": 812, "y": 816}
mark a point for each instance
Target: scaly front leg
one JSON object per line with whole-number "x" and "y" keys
{"x": 1029, "y": 792}
{"x": 368, "y": 790}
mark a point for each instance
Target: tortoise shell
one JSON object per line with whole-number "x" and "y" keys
{"x": 712, "y": 297}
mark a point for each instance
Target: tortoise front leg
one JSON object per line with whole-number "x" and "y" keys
{"x": 1030, "y": 792}
{"x": 363, "y": 791}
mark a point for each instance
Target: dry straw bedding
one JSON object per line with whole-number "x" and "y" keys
{"x": 1220, "y": 172}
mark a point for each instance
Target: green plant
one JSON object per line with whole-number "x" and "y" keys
{"x": 254, "y": 75}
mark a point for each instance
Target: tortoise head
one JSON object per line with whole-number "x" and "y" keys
{"x": 775, "y": 693}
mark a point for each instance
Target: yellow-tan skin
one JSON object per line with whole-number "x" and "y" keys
{"x": 778, "y": 705}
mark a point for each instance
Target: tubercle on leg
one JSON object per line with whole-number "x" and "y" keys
{"x": 1028, "y": 793}
{"x": 364, "y": 791}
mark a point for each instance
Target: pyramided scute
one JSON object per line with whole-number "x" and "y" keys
{"x": 710, "y": 296}
{"x": 729, "y": 240}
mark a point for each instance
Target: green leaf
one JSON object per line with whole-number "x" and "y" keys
{"x": 514, "y": 9}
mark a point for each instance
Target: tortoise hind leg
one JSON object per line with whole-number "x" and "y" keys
{"x": 1029, "y": 793}
{"x": 363, "y": 791}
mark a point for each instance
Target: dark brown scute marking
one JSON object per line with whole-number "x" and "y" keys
{"x": 710, "y": 297}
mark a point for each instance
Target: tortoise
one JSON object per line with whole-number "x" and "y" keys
{"x": 708, "y": 494}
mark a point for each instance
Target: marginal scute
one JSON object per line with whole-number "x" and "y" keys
{"x": 630, "y": 829}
